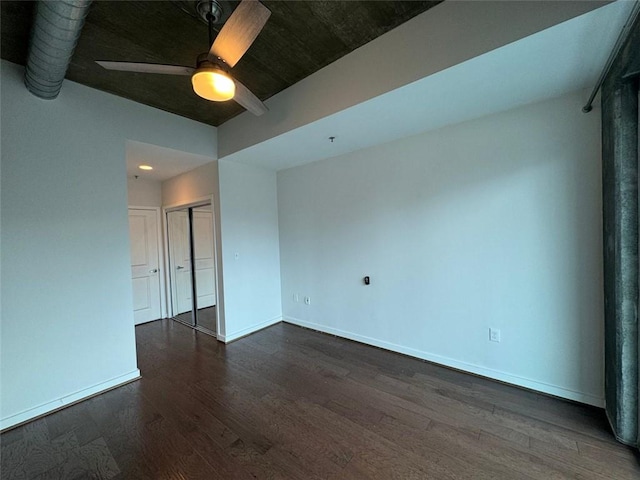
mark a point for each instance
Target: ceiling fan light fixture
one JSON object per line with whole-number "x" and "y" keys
{"x": 213, "y": 84}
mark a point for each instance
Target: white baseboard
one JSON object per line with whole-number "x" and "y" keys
{"x": 75, "y": 397}
{"x": 449, "y": 362}
{"x": 249, "y": 330}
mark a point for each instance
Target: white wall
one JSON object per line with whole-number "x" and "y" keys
{"x": 142, "y": 192}
{"x": 67, "y": 320}
{"x": 249, "y": 228}
{"x": 191, "y": 186}
{"x": 491, "y": 223}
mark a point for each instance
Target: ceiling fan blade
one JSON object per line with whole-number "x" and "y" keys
{"x": 239, "y": 32}
{"x": 147, "y": 68}
{"x": 248, "y": 100}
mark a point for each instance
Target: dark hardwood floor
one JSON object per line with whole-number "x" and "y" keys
{"x": 289, "y": 403}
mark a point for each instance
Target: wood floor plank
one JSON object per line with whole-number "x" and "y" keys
{"x": 290, "y": 403}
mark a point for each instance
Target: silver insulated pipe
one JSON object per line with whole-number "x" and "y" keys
{"x": 54, "y": 36}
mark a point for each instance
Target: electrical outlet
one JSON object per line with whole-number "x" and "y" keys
{"x": 296, "y": 297}
{"x": 307, "y": 300}
{"x": 494, "y": 335}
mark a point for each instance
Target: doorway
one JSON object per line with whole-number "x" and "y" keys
{"x": 192, "y": 266}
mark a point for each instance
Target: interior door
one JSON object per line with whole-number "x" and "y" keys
{"x": 180, "y": 261}
{"x": 145, "y": 270}
{"x": 203, "y": 246}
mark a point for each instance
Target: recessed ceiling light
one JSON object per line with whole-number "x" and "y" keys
{"x": 145, "y": 167}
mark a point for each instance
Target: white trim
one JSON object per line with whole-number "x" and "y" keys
{"x": 161, "y": 265}
{"x": 191, "y": 203}
{"x": 217, "y": 227}
{"x": 249, "y": 330}
{"x": 216, "y": 265}
{"x": 449, "y": 362}
{"x": 67, "y": 400}
{"x": 165, "y": 251}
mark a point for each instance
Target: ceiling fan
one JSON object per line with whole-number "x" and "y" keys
{"x": 211, "y": 79}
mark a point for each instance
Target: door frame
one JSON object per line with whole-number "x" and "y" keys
{"x": 217, "y": 254}
{"x": 161, "y": 248}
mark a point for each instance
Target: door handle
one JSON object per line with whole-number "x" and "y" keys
{"x": 179, "y": 267}
{"x": 155, "y": 270}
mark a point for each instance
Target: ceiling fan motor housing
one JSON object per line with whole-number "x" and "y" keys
{"x": 205, "y": 60}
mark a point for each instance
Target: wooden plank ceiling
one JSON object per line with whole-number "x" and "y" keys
{"x": 300, "y": 38}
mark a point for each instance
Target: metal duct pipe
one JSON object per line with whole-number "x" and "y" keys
{"x": 55, "y": 33}
{"x": 622, "y": 38}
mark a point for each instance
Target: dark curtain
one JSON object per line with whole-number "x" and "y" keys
{"x": 621, "y": 246}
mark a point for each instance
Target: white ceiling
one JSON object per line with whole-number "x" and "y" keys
{"x": 561, "y": 59}
{"x": 166, "y": 163}
{"x": 564, "y": 58}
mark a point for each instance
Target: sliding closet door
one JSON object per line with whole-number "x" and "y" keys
{"x": 192, "y": 267}
{"x": 204, "y": 265}
{"x": 180, "y": 265}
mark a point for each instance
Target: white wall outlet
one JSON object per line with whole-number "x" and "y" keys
{"x": 494, "y": 335}
{"x": 236, "y": 255}
{"x": 307, "y": 300}
{"x": 296, "y": 297}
